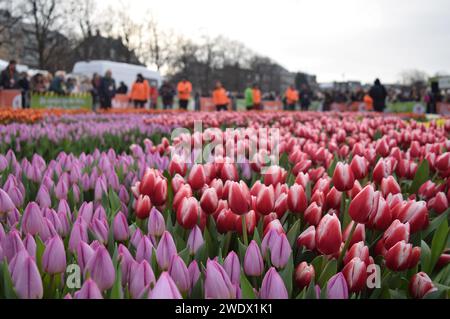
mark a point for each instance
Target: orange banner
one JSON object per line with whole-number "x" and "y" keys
{"x": 207, "y": 105}
{"x": 121, "y": 101}
{"x": 11, "y": 99}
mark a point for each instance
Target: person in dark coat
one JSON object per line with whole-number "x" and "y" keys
{"x": 305, "y": 98}
{"x": 107, "y": 90}
{"x": 378, "y": 93}
{"x": 123, "y": 88}
{"x": 24, "y": 85}
{"x": 9, "y": 79}
{"x": 167, "y": 93}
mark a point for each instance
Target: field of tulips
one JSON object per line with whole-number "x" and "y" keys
{"x": 340, "y": 206}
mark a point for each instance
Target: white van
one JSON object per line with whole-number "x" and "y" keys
{"x": 121, "y": 72}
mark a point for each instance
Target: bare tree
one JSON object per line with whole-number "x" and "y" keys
{"x": 413, "y": 77}
{"x": 157, "y": 45}
{"x": 8, "y": 20}
{"x": 47, "y": 20}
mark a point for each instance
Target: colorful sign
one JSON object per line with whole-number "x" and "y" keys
{"x": 11, "y": 99}
{"x": 78, "y": 101}
{"x": 443, "y": 109}
{"x": 207, "y": 105}
{"x": 272, "y": 105}
{"x": 121, "y": 101}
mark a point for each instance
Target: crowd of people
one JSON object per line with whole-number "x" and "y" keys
{"x": 144, "y": 92}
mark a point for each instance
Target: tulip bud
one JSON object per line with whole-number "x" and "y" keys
{"x": 421, "y": 285}
{"x": 217, "y": 282}
{"x": 156, "y": 223}
{"x": 239, "y": 198}
{"x": 280, "y": 251}
{"x": 313, "y": 214}
{"x": 265, "y": 200}
{"x": 141, "y": 276}
{"x": 84, "y": 254}
{"x": 304, "y": 274}
{"x": 308, "y": 238}
{"x": 147, "y": 184}
{"x": 402, "y": 256}
{"x": 396, "y": 233}
{"x": 143, "y": 206}
{"x": 159, "y": 195}
{"x": 180, "y": 274}
{"x": 30, "y": 245}
{"x": 439, "y": 203}
{"x": 89, "y": 290}
{"x": 359, "y": 167}
{"x": 101, "y": 269}
{"x": 358, "y": 250}
{"x": 177, "y": 166}
{"x": 100, "y": 230}
{"x": 328, "y": 235}
{"x": 232, "y": 267}
{"x": 363, "y": 205}
{"x": 253, "y": 261}
{"x": 416, "y": 214}
{"x": 54, "y": 257}
{"x": 188, "y": 213}
{"x": 6, "y": 204}
{"x": 337, "y": 287}
{"x": 195, "y": 240}
{"x": 390, "y": 186}
{"x": 296, "y": 200}
{"x": 355, "y": 273}
{"x": 32, "y": 219}
{"x": 358, "y": 235}
{"x": 166, "y": 249}
{"x": 333, "y": 199}
{"x": 209, "y": 201}
{"x": 26, "y": 277}
{"x": 144, "y": 250}
{"x": 43, "y": 197}
{"x": 343, "y": 178}
{"x": 197, "y": 177}
{"x": 273, "y": 286}
{"x": 120, "y": 227}
{"x": 165, "y": 288}
{"x": 281, "y": 205}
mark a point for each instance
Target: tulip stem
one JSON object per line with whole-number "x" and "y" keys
{"x": 347, "y": 244}
{"x": 244, "y": 230}
{"x": 227, "y": 244}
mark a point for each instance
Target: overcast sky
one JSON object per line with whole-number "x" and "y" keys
{"x": 334, "y": 39}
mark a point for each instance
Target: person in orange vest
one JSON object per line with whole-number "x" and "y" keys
{"x": 368, "y": 101}
{"x": 184, "y": 89}
{"x": 140, "y": 92}
{"x": 153, "y": 93}
{"x": 220, "y": 97}
{"x": 257, "y": 97}
{"x": 292, "y": 98}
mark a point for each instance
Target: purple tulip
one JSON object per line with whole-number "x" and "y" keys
{"x": 124, "y": 196}
{"x": 195, "y": 240}
{"x": 43, "y": 197}
{"x": 273, "y": 286}
{"x": 100, "y": 189}
{"x": 86, "y": 212}
{"x": 6, "y": 204}
{"x": 54, "y": 257}
{"x": 26, "y": 277}
{"x": 79, "y": 233}
{"x": 144, "y": 250}
{"x": 194, "y": 273}
{"x": 268, "y": 241}
{"x": 337, "y": 287}
{"x": 281, "y": 251}
{"x": 166, "y": 249}
{"x": 126, "y": 261}
{"x": 253, "y": 261}
{"x": 32, "y": 220}
{"x": 101, "y": 269}
{"x": 61, "y": 189}
{"x": 47, "y": 230}
{"x": 165, "y": 288}
{"x": 156, "y": 223}
{"x": 141, "y": 276}
{"x": 136, "y": 238}
{"x": 13, "y": 218}
{"x": 76, "y": 193}
{"x": 217, "y": 282}
{"x": 52, "y": 216}
{"x": 65, "y": 224}
{"x": 179, "y": 273}
{"x": 233, "y": 267}
{"x": 16, "y": 196}
{"x": 30, "y": 245}
{"x": 12, "y": 244}
{"x": 84, "y": 254}
{"x": 89, "y": 290}
{"x": 100, "y": 213}
{"x": 100, "y": 229}
{"x": 120, "y": 227}
{"x": 3, "y": 163}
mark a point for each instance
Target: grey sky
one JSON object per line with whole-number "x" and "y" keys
{"x": 334, "y": 39}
